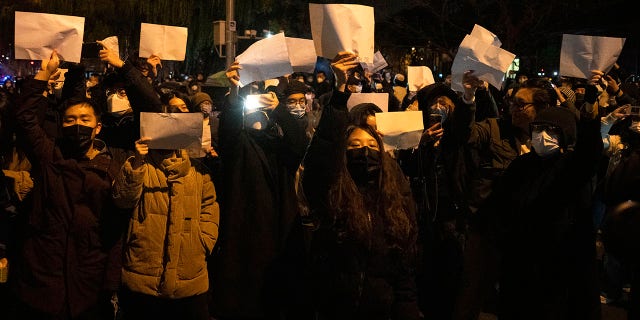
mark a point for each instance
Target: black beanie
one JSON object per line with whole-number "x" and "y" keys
{"x": 562, "y": 118}
{"x": 295, "y": 86}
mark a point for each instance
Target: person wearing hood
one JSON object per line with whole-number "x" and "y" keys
{"x": 68, "y": 262}
{"x": 258, "y": 267}
{"x": 438, "y": 188}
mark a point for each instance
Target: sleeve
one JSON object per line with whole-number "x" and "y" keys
{"x": 38, "y": 146}
{"x": 605, "y": 125}
{"x": 294, "y": 138}
{"x": 128, "y": 184}
{"x": 140, "y": 92}
{"x": 321, "y": 160}
{"x": 209, "y": 214}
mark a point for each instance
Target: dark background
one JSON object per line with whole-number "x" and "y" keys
{"x": 410, "y": 32}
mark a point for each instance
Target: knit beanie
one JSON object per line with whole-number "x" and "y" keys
{"x": 200, "y": 97}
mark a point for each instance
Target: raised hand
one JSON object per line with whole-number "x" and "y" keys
{"x": 154, "y": 61}
{"x": 471, "y": 83}
{"x": 109, "y": 56}
{"x": 232, "y": 73}
{"x": 48, "y": 67}
{"x": 341, "y": 64}
{"x": 142, "y": 149}
{"x": 269, "y": 100}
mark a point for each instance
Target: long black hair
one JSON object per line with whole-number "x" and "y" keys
{"x": 351, "y": 206}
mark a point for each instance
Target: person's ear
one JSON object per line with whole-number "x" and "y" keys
{"x": 98, "y": 128}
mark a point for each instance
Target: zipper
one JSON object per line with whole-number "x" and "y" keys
{"x": 165, "y": 254}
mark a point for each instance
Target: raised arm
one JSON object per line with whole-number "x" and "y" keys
{"x": 140, "y": 92}
{"x": 39, "y": 146}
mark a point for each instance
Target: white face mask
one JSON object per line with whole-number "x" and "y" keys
{"x": 117, "y": 104}
{"x": 635, "y": 126}
{"x": 544, "y": 144}
{"x": 296, "y": 110}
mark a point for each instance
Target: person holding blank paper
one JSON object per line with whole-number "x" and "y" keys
{"x": 364, "y": 241}
{"x": 172, "y": 229}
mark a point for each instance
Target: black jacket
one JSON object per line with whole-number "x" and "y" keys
{"x": 539, "y": 211}
{"x": 70, "y": 246}
{"x": 351, "y": 279}
{"x": 259, "y": 252}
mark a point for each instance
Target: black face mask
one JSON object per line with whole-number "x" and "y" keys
{"x": 364, "y": 165}
{"x": 76, "y": 140}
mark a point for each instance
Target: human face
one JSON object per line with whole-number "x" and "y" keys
{"x": 178, "y": 103}
{"x": 360, "y": 138}
{"x": 82, "y": 114}
{"x": 442, "y": 105}
{"x": 296, "y": 100}
{"x": 522, "y": 109}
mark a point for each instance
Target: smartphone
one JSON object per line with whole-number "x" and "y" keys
{"x": 435, "y": 118}
{"x": 91, "y": 50}
{"x": 252, "y": 103}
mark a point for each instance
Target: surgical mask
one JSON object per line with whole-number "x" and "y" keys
{"x": 117, "y": 104}
{"x": 76, "y": 140}
{"x": 296, "y": 110}
{"x": 364, "y": 165}
{"x": 358, "y": 88}
{"x": 545, "y": 144}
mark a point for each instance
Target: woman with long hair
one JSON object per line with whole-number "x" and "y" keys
{"x": 363, "y": 247}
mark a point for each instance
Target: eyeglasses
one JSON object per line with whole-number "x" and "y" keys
{"x": 301, "y": 101}
{"x": 520, "y": 105}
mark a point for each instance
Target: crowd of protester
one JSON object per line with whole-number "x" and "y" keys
{"x": 519, "y": 201}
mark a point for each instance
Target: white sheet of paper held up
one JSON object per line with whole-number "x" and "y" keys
{"x": 401, "y": 130}
{"x": 479, "y": 53}
{"x": 265, "y": 59}
{"x": 302, "y": 54}
{"x": 419, "y": 77}
{"x": 166, "y": 42}
{"x": 172, "y": 130}
{"x": 379, "y": 99}
{"x": 580, "y": 54}
{"x": 342, "y": 27}
{"x": 38, "y": 34}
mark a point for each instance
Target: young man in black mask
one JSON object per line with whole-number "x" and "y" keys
{"x": 67, "y": 263}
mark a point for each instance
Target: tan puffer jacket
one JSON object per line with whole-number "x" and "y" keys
{"x": 173, "y": 226}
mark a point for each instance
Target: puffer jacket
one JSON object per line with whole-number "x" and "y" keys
{"x": 173, "y": 226}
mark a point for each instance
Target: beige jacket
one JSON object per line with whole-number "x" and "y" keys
{"x": 173, "y": 227}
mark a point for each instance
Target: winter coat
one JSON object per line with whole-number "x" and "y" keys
{"x": 258, "y": 262}
{"x": 539, "y": 211}
{"x": 70, "y": 248}
{"x": 172, "y": 229}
